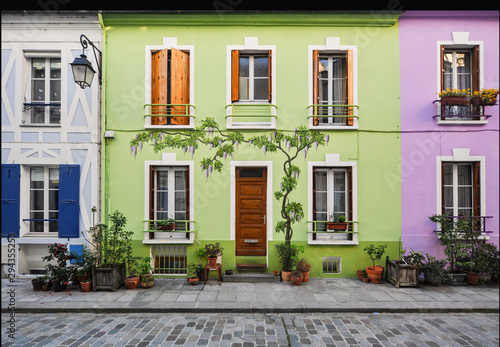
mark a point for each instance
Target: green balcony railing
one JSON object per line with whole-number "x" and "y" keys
{"x": 181, "y": 226}
{"x": 169, "y": 110}
{"x": 252, "y": 112}
{"x": 340, "y": 114}
{"x": 321, "y": 227}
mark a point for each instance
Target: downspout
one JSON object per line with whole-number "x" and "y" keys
{"x": 104, "y": 169}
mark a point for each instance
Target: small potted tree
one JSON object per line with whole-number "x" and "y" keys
{"x": 62, "y": 271}
{"x": 145, "y": 270}
{"x": 375, "y": 253}
{"x": 212, "y": 251}
{"x": 288, "y": 257}
{"x": 194, "y": 270}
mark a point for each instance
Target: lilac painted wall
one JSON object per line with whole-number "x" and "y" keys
{"x": 423, "y": 139}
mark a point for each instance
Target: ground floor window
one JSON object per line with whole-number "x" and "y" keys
{"x": 460, "y": 188}
{"x": 332, "y": 265}
{"x": 169, "y": 260}
{"x": 44, "y": 197}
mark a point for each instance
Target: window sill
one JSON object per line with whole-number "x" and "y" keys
{"x": 325, "y": 241}
{"x": 167, "y": 238}
{"x": 167, "y": 127}
{"x": 461, "y": 122}
{"x": 40, "y": 125}
{"x": 334, "y": 127}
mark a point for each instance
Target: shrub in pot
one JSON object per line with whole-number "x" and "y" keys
{"x": 304, "y": 267}
{"x": 37, "y": 283}
{"x": 375, "y": 271}
{"x": 194, "y": 270}
{"x": 288, "y": 257}
{"x": 434, "y": 270}
{"x": 61, "y": 271}
{"x": 296, "y": 278}
{"x": 212, "y": 251}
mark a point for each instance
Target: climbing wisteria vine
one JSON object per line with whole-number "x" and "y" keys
{"x": 224, "y": 143}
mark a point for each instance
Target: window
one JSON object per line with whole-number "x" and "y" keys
{"x": 460, "y": 189}
{"x": 170, "y": 195}
{"x": 332, "y": 265}
{"x": 169, "y": 260}
{"x": 332, "y": 197}
{"x": 251, "y": 76}
{"x": 170, "y": 87}
{"x": 44, "y": 197}
{"x": 45, "y": 91}
{"x": 332, "y": 87}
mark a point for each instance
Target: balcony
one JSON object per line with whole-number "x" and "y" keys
{"x": 475, "y": 223}
{"x": 180, "y": 233}
{"x": 251, "y": 116}
{"x": 328, "y": 232}
{"x": 333, "y": 116}
{"x": 464, "y": 113}
{"x": 169, "y": 116}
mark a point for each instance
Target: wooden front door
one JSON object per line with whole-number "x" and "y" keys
{"x": 251, "y": 188}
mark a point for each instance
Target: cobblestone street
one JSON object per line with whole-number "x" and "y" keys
{"x": 245, "y": 330}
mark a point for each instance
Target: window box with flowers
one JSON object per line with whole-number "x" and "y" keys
{"x": 454, "y": 97}
{"x": 484, "y": 97}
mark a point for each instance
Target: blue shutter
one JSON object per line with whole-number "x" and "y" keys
{"x": 11, "y": 184}
{"x": 69, "y": 204}
{"x": 78, "y": 249}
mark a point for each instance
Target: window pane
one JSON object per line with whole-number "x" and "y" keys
{"x": 162, "y": 202}
{"x": 54, "y": 178}
{"x": 53, "y": 225}
{"x": 465, "y": 174}
{"x": 448, "y": 174}
{"x": 162, "y": 180}
{"x": 321, "y": 199}
{"x": 180, "y": 216}
{"x": 339, "y": 203}
{"x": 321, "y": 181}
{"x": 36, "y": 178}
{"x": 244, "y": 66}
{"x": 261, "y": 87}
{"x": 180, "y": 201}
{"x": 180, "y": 180}
{"x": 38, "y": 115}
{"x": 339, "y": 181}
{"x": 53, "y": 199}
{"x": 260, "y": 67}
{"x": 38, "y": 68}
{"x": 448, "y": 62}
{"x": 55, "y": 90}
{"x": 36, "y": 200}
{"x": 55, "y": 68}
{"x": 55, "y": 115}
{"x": 38, "y": 91}
{"x": 243, "y": 88}
{"x": 323, "y": 68}
{"x": 463, "y": 62}
{"x": 448, "y": 197}
{"x": 464, "y": 197}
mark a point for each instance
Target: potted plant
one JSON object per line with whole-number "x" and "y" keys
{"x": 288, "y": 257}
{"x": 304, "y": 267}
{"x": 46, "y": 283}
{"x": 454, "y": 97}
{"x": 338, "y": 222}
{"x": 147, "y": 282}
{"x": 132, "y": 280}
{"x": 375, "y": 253}
{"x": 480, "y": 256}
{"x": 365, "y": 278}
{"x": 86, "y": 285}
{"x": 37, "y": 283}
{"x": 83, "y": 263}
{"x": 434, "y": 270}
{"x": 145, "y": 267}
{"x": 112, "y": 246}
{"x": 194, "y": 270}
{"x": 166, "y": 225}
{"x": 484, "y": 97}
{"x": 61, "y": 271}
{"x": 494, "y": 261}
{"x": 453, "y": 237}
{"x": 360, "y": 274}
{"x": 212, "y": 251}
{"x": 296, "y": 278}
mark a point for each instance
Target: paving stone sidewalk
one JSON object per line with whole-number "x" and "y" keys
{"x": 317, "y": 295}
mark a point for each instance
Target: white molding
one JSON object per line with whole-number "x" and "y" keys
{"x": 331, "y": 161}
{"x": 168, "y": 159}
{"x": 462, "y": 155}
{"x": 168, "y": 43}
{"x": 269, "y": 198}
{"x": 332, "y": 45}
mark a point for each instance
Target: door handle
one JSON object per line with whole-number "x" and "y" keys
{"x": 264, "y": 218}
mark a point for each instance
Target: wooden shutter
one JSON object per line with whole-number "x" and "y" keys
{"x": 187, "y": 201}
{"x": 69, "y": 202}
{"x": 179, "y": 82}
{"x": 349, "y": 201}
{"x": 315, "y": 85}
{"x": 442, "y": 187}
{"x": 350, "y": 91}
{"x": 235, "y": 75}
{"x": 475, "y": 68}
{"x": 476, "y": 189}
{"x": 314, "y": 199}
{"x": 159, "y": 85}
{"x": 269, "y": 75}
{"x": 11, "y": 188}
{"x": 441, "y": 62}
{"x": 151, "y": 199}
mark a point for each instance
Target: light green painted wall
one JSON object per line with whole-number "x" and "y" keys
{"x": 375, "y": 146}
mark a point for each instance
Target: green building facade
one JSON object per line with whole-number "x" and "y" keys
{"x": 256, "y": 74}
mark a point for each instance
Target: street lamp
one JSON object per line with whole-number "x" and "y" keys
{"x": 83, "y": 73}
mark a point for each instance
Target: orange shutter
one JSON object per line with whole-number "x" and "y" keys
{"x": 235, "y": 75}
{"x": 269, "y": 75}
{"x": 350, "y": 91}
{"x": 179, "y": 85}
{"x": 475, "y": 69}
{"x": 315, "y": 85}
{"x": 159, "y": 85}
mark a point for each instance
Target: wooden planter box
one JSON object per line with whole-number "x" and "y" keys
{"x": 401, "y": 274}
{"x": 108, "y": 278}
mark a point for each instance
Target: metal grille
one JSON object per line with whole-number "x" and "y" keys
{"x": 169, "y": 260}
{"x": 332, "y": 265}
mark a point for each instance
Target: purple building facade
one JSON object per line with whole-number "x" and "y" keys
{"x": 449, "y": 154}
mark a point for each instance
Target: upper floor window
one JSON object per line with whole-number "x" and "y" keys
{"x": 43, "y": 100}
{"x": 170, "y": 87}
{"x": 251, "y": 76}
{"x": 460, "y": 68}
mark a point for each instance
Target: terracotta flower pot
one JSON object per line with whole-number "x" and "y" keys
{"x": 193, "y": 280}
{"x": 212, "y": 261}
{"x": 132, "y": 282}
{"x": 365, "y": 279}
{"x": 86, "y": 286}
{"x": 276, "y": 272}
{"x": 471, "y": 277}
{"x": 285, "y": 275}
{"x": 305, "y": 276}
{"x": 360, "y": 274}
{"x": 375, "y": 274}
{"x": 296, "y": 278}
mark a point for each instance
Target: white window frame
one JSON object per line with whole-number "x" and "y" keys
{"x": 46, "y": 211}
{"x": 455, "y": 187}
{"x": 171, "y": 188}
{"x": 333, "y": 46}
{"x": 460, "y": 41}
{"x": 168, "y": 43}
{"x": 27, "y": 111}
{"x": 332, "y": 161}
{"x": 168, "y": 160}
{"x": 250, "y": 46}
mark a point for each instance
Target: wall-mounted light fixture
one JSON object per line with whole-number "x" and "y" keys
{"x": 83, "y": 73}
